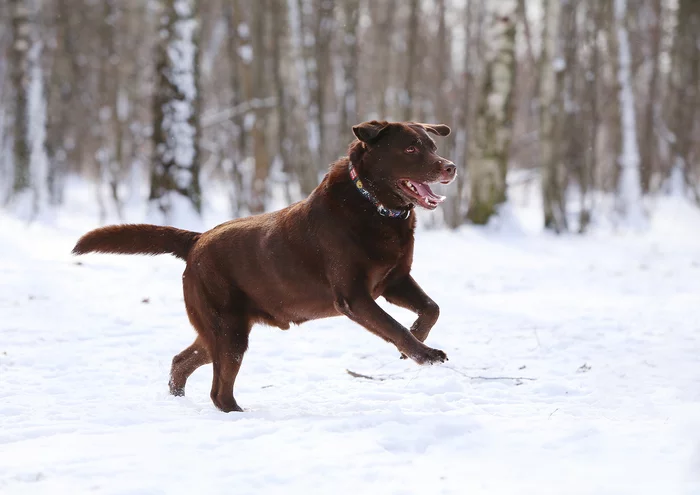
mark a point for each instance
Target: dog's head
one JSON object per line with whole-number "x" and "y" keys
{"x": 403, "y": 156}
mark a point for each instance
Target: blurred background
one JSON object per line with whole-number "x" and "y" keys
{"x": 163, "y": 105}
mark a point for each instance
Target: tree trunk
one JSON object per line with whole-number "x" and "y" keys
{"x": 109, "y": 81}
{"x": 262, "y": 158}
{"x": 412, "y": 40}
{"x": 30, "y": 184}
{"x": 305, "y": 68}
{"x": 648, "y": 142}
{"x": 551, "y": 112}
{"x": 629, "y": 204}
{"x": 283, "y": 139}
{"x": 61, "y": 99}
{"x": 386, "y": 28}
{"x": 685, "y": 77}
{"x": 586, "y": 178}
{"x": 443, "y": 110}
{"x": 323, "y": 33}
{"x": 22, "y": 28}
{"x": 176, "y": 129}
{"x": 350, "y": 67}
{"x": 238, "y": 35}
{"x": 455, "y": 207}
{"x": 490, "y": 143}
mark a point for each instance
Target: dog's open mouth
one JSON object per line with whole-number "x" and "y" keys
{"x": 421, "y": 193}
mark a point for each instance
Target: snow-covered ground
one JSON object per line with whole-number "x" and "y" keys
{"x": 574, "y": 369}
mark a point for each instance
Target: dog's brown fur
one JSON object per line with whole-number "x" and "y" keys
{"x": 330, "y": 254}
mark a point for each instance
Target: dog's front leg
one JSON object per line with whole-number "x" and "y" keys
{"x": 359, "y": 306}
{"x": 406, "y": 293}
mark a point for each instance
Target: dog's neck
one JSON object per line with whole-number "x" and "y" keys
{"x": 402, "y": 213}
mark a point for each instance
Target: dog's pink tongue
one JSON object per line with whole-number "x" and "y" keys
{"x": 425, "y": 191}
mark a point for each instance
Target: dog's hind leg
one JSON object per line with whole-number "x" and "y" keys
{"x": 217, "y": 311}
{"x": 185, "y": 363}
{"x": 231, "y": 342}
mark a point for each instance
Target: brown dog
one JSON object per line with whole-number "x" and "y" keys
{"x": 333, "y": 253}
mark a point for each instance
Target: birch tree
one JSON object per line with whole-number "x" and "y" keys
{"x": 257, "y": 92}
{"x": 552, "y": 169}
{"x": 30, "y": 184}
{"x": 283, "y": 80}
{"x": 629, "y": 200}
{"x": 284, "y": 142}
{"x": 685, "y": 82}
{"x": 350, "y": 66}
{"x": 385, "y": 29}
{"x": 110, "y": 153}
{"x": 307, "y": 75}
{"x": 322, "y": 39}
{"x": 455, "y": 206}
{"x": 175, "y": 189}
{"x": 411, "y": 66}
{"x": 490, "y": 143}
{"x": 648, "y": 142}
{"x": 592, "y": 113}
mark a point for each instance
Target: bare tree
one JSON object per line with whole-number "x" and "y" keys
{"x": 284, "y": 141}
{"x": 551, "y": 92}
{"x": 110, "y": 132}
{"x": 630, "y": 206}
{"x": 351, "y": 50}
{"x": 176, "y": 129}
{"x": 455, "y": 207}
{"x": 491, "y": 138}
{"x": 385, "y": 29}
{"x": 237, "y": 47}
{"x": 282, "y": 81}
{"x": 412, "y": 37}
{"x": 648, "y": 140}
{"x": 685, "y": 82}
{"x": 257, "y": 93}
{"x": 322, "y": 37}
{"x": 591, "y": 110}
{"x": 30, "y": 182}
{"x": 306, "y": 73}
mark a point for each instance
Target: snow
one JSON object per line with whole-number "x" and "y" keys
{"x": 573, "y": 369}
{"x": 246, "y": 53}
{"x": 243, "y": 30}
{"x": 559, "y": 64}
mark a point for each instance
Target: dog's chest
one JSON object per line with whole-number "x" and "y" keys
{"x": 389, "y": 258}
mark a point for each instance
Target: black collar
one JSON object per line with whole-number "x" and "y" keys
{"x": 381, "y": 209}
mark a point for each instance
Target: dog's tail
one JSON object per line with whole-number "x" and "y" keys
{"x": 137, "y": 239}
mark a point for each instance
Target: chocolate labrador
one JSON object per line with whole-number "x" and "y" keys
{"x": 334, "y": 253}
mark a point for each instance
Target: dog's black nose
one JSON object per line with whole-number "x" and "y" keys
{"x": 449, "y": 168}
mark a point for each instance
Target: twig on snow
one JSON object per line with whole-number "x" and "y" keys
{"x": 471, "y": 377}
{"x": 479, "y": 377}
{"x": 367, "y": 377}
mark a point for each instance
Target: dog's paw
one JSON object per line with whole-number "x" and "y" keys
{"x": 430, "y": 356}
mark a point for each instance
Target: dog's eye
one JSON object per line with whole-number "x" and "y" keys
{"x": 411, "y": 149}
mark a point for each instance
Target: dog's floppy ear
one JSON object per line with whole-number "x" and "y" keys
{"x": 439, "y": 129}
{"x": 369, "y": 131}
